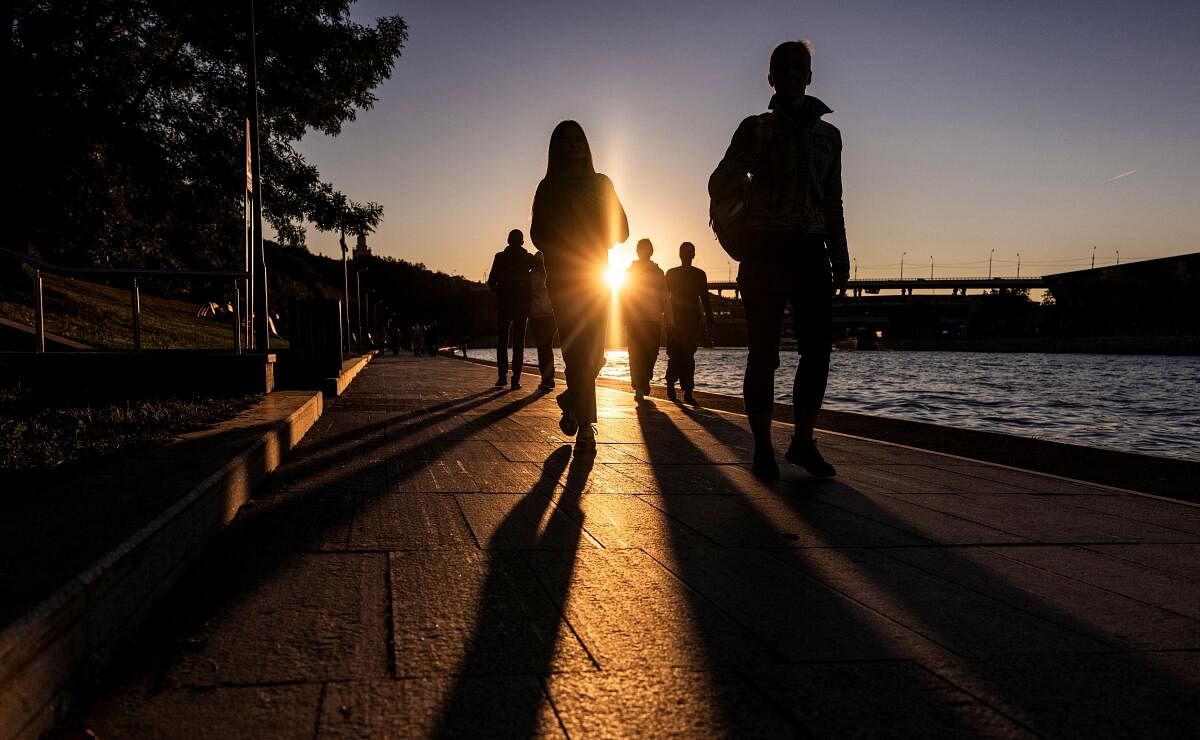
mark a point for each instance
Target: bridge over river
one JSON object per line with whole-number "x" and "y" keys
{"x": 908, "y": 285}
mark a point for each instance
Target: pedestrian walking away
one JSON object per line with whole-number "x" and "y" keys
{"x": 643, "y": 305}
{"x": 576, "y": 219}
{"x": 687, "y": 291}
{"x": 510, "y": 278}
{"x": 787, "y": 162}
{"x": 541, "y": 322}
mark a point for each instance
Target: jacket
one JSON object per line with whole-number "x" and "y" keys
{"x": 644, "y": 292}
{"x": 794, "y": 160}
{"x": 575, "y": 222}
{"x": 511, "y": 280}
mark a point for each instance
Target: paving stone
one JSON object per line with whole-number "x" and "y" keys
{"x": 896, "y": 699}
{"x": 477, "y": 613}
{"x": 523, "y": 521}
{"x": 958, "y": 618}
{"x": 1102, "y": 615}
{"x": 409, "y": 521}
{"x": 503, "y": 477}
{"x": 631, "y": 612}
{"x": 315, "y": 617}
{"x": 446, "y": 706}
{"x": 798, "y": 617}
{"x": 1180, "y": 517}
{"x": 623, "y": 521}
{"x": 218, "y": 713}
{"x": 664, "y": 703}
{"x": 768, "y": 522}
{"x": 1032, "y": 482}
{"x": 1045, "y": 519}
{"x": 1181, "y": 560}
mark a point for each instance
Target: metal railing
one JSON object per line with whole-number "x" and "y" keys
{"x": 135, "y": 299}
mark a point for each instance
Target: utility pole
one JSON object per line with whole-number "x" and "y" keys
{"x": 261, "y": 336}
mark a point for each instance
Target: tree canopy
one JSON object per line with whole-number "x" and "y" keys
{"x": 126, "y": 122}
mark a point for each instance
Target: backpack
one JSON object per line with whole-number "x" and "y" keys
{"x": 729, "y": 191}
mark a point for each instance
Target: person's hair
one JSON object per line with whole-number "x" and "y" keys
{"x": 688, "y": 246}
{"x": 789, "y": 47}
{"x": 645, "y": 243}
{"x": 516, "y": 237}
{"x": 556, "y": 163}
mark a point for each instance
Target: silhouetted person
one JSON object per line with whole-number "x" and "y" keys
{"x": 687, "y": 291}
{"x": 643, "y": 303}
{"x": 541, "y": 322}
{"x": 795, "y": 249}
{"x": 418, "y": 339}
{"x": 511, "y": 280}
{"x": 576, "y": 219}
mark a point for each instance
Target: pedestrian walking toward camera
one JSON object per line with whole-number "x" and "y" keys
{"x": 687, "y": 291}
{"x": 576, "y": 219}
{"x": 541, "y": 322}
{"x": 777, "y": 207}
{"x": 643, "y": 305}
{"x": 510, "y": 278}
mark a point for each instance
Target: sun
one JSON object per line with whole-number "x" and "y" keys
{"x": 614, "y": 276}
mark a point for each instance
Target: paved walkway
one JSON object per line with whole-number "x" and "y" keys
{"x": 434, "y": 560}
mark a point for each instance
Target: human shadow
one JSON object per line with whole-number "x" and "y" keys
{"x": 1010, "y": 646}
{"x": 519, "y": 618}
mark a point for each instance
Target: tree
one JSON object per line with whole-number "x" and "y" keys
{"x": 127, "y": 124}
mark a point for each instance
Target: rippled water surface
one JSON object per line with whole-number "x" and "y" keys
{"x": 1145, "y": 404}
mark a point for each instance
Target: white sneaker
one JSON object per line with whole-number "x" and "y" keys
{"x": 586, "y": 439}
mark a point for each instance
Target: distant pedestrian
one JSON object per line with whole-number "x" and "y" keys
{"x": 794, "y": 249}
{"x": 511, "y": 281}
{"x": 687, "y": 289}
{"x": 643, "y": 305}
{"x": 418, "y": 339}
{"x": 541, "y": 322}
{"x": 576, "y": 219}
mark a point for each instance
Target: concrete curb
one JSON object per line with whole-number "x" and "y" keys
{"x": 334, "y": 387}
{"x": 56, "y": 649}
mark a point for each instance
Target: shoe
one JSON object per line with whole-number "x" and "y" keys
{"x": 671, "y": 392}
{"x": 500, "y": 382}
{"x": 515, "y": 384}
{"x": 547, "y": 385}
{"x": 568, "y": 424}
{"x": 807, "y": 456}
{"x": 638, "y": 396}
{"x": 689, "y": 398}
{"x": 765, "y": 467}
{"x": 586, "y": 441}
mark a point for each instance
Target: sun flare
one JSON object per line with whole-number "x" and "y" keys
{"x": 614, "y": 275}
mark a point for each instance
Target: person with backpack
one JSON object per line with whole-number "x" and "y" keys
{"x": 643, "y": 305}
{"x": 541, "y": 322}
{"x": 577, "y": 218}
{"x": 511, "y": 280}
{"x": 687, "y": 289}
{"x": 776, "y": 205}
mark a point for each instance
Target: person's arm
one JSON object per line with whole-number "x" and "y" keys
{"x": 494, "y": 274}
{"x": 618, "y": 223}
{"x": 835, "y": 220}
{"x": 705, "y": 298}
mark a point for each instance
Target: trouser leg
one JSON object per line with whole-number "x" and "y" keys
{"x": 582, "y": 315}
{"x": 812, "y": 323}
{"x": 634, "y": 344}
{"x": 764, "y": 304}
{"x": 502, "y": 325}
{"x": 518, "y": 346}
{"x": 543, "y": 335}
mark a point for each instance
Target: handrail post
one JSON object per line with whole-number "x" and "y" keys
{"x": 237, "y": 319}
{"x": 39, "y": 308}
{"x": 135, "y": 300}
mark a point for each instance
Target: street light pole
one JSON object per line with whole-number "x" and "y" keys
{"x": 990, "y": 263}
{"x": 1118, "y": 256}
{"x": 358, "y": 302}
{"x": 855, "y": 261}
{"x": 1093, "y": 256}
{"x": 345, "y": 291}
{"x": 902, "y": 264}
{"x": 931, "y": 267}
{"x": 1018, "y": 264}
{"x": 261, "y": 337}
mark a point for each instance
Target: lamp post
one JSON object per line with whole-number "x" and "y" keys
{"x": 1018, "y": 265}
{"x": 258, "y": 256}
{"x": 931, "y": 267}
{"x": 345, "y": 291}
{"x": 990, "y": 263}
{"x": 1118, "y": 256}
{"x": 1093, "y": 256}
{"x": 855, "y": 261}
{"x": 902, "y": 264}
{"x": 358, "y": 302}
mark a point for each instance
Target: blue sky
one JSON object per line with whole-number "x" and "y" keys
{"x": 968, "y": 126}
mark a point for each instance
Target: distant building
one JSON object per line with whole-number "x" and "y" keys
{"x": 1159, "y": 297}
{"x": 361, "y": 249}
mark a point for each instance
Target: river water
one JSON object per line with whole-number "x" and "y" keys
{"x": 1135, "y": 403}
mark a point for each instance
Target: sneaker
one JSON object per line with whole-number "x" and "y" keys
{"x": 638, "y": 396}
{"x": 515, "y": 384}
{"x": 546, "y": 385}
{"x": 689, "y": 398}
{"x": 586, "y": 441}
{"x": 807, "y": 456}
{"x": 500, "y": 382}
{"x": 671, "y": 392}
{"x": 764, "y": 465}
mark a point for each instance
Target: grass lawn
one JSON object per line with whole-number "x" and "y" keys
{"x": 35, "y": 437}
{"x": 99, "y": 316}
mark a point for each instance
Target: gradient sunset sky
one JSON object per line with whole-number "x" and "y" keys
{"x": 1032, "y": 127}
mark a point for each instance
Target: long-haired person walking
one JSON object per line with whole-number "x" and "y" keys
{"x": 577, "y": 218}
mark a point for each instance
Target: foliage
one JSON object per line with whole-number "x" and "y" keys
{"x": 127, "y": 122}
{"x": 34, "y": 436}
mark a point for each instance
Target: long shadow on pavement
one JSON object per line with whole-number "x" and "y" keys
{"x": 1011, "y": 648}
